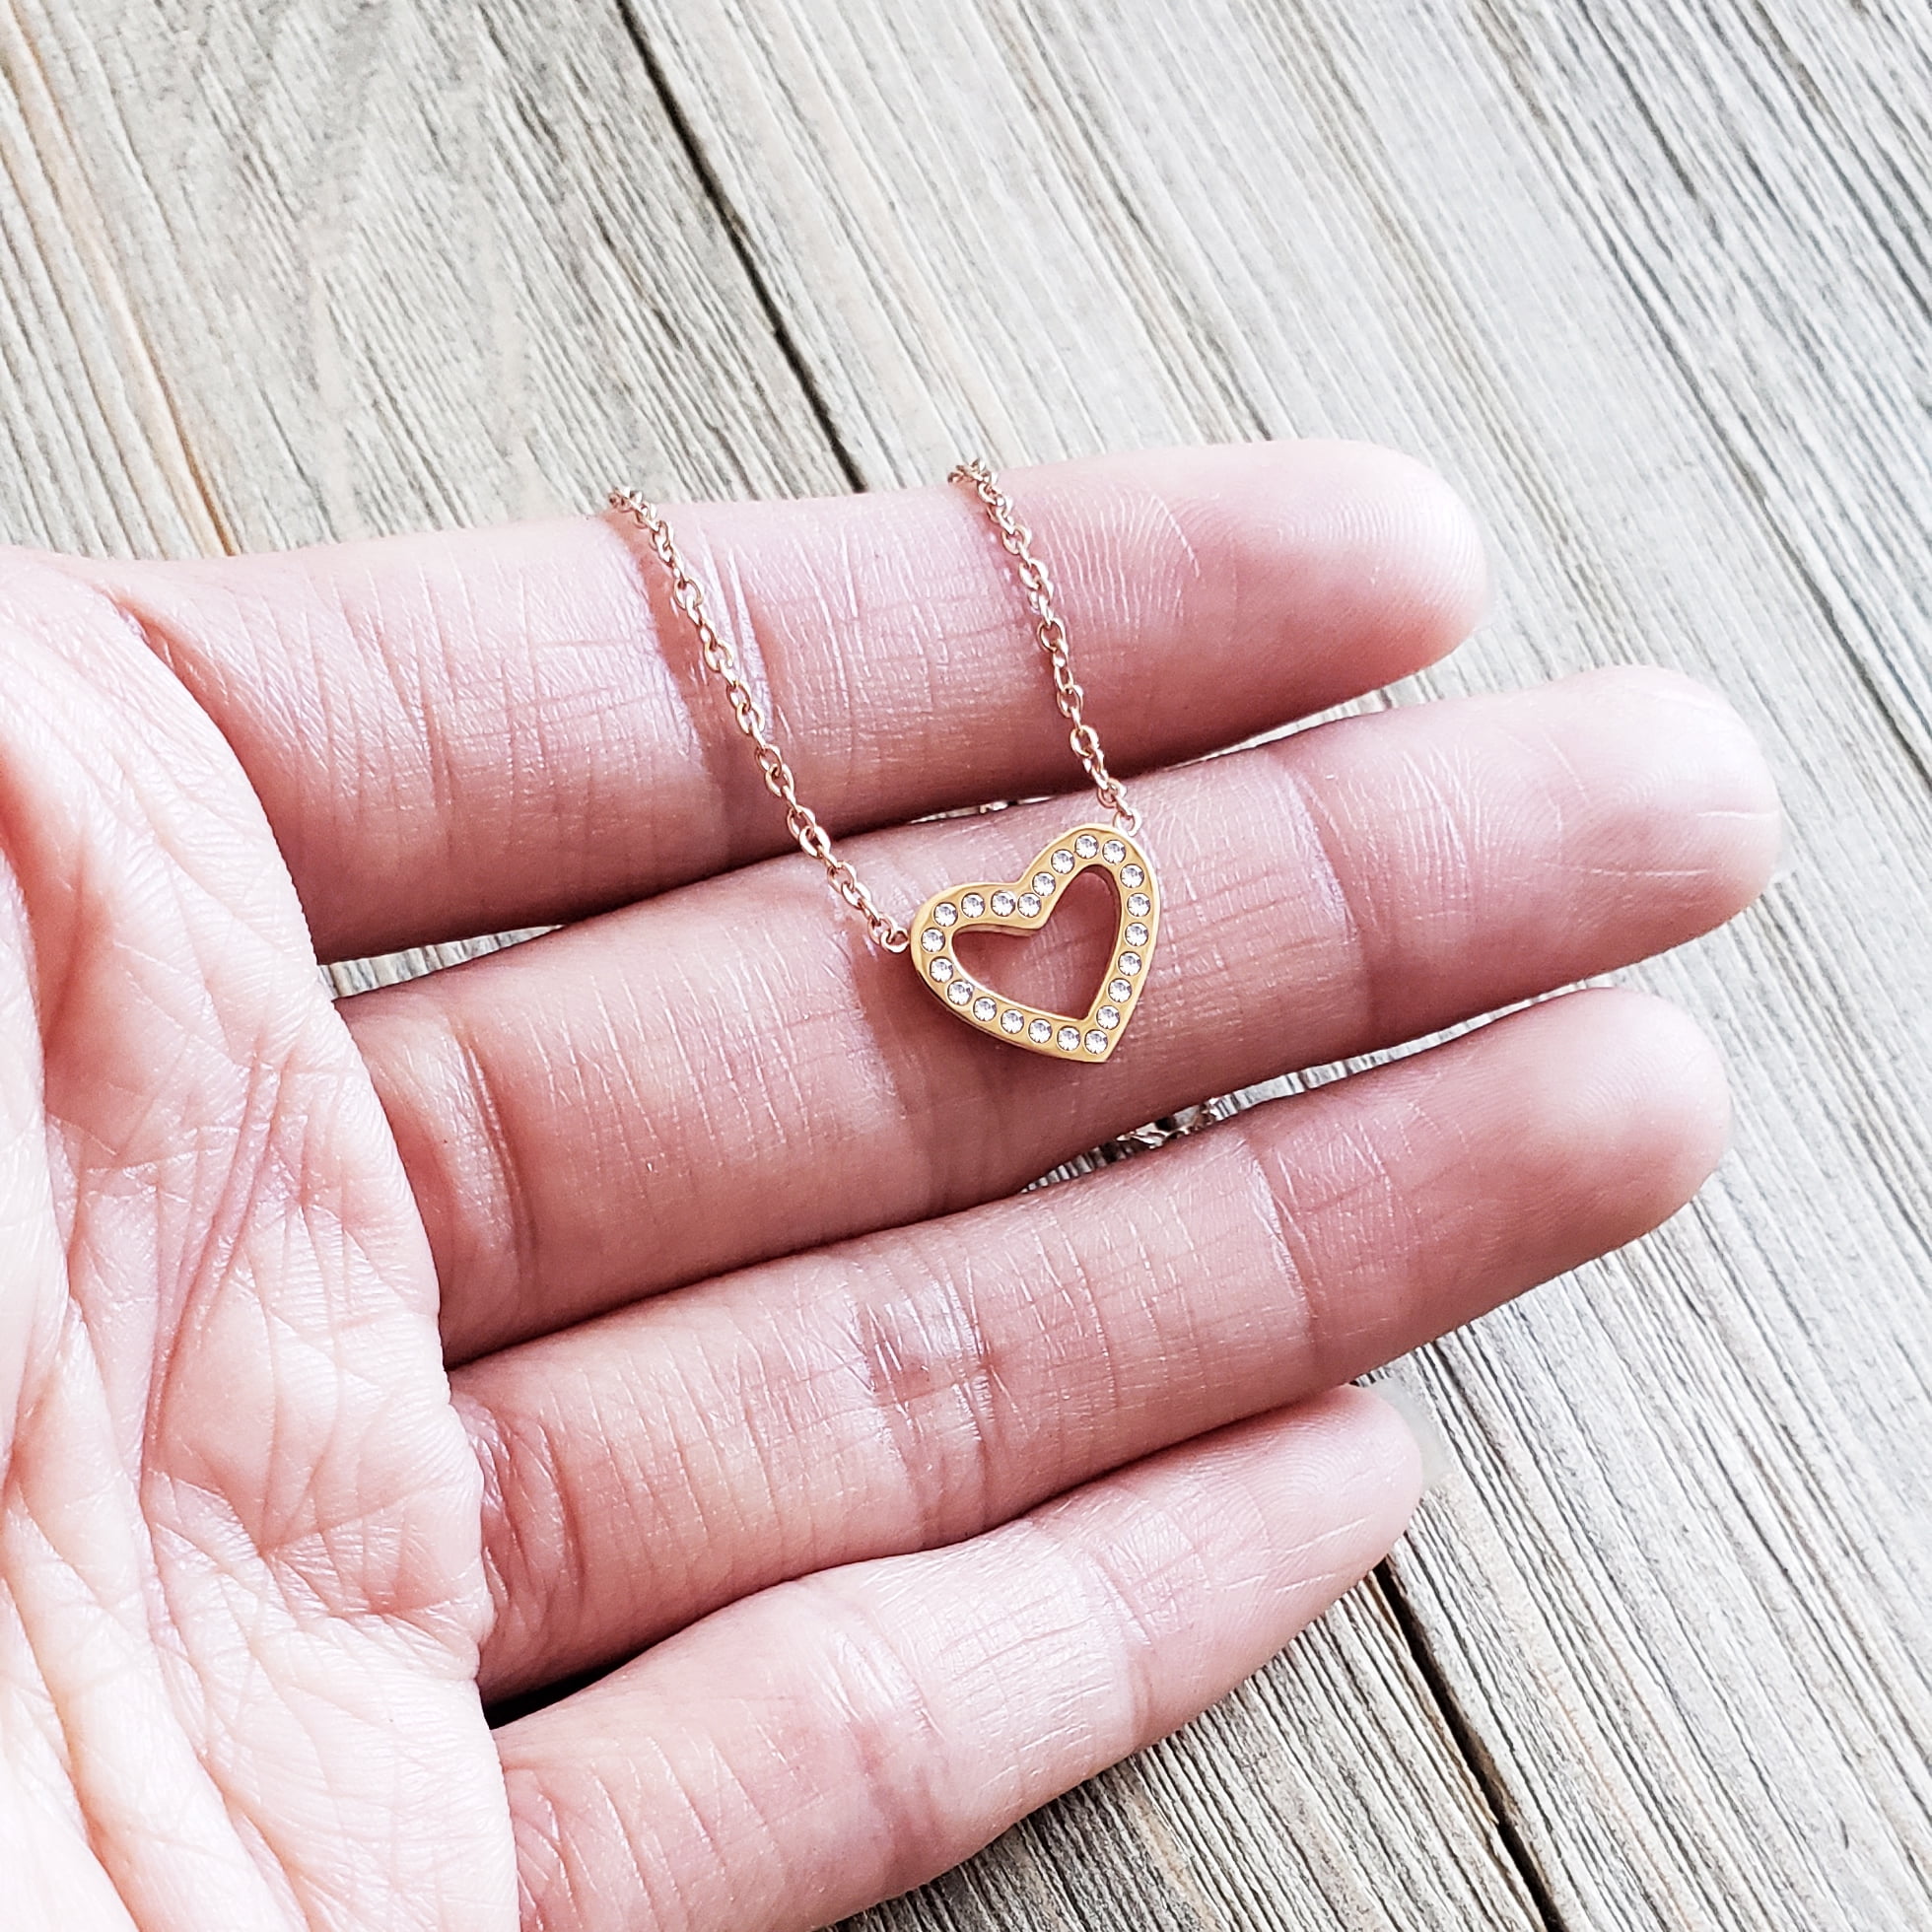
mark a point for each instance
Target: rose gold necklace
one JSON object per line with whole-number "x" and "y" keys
{"x": 1020, "y": 905}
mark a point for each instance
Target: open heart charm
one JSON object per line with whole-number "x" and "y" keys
{"x": 1024, "y": 904}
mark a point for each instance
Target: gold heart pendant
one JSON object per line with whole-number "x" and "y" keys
{"x": 1024, "y": 904}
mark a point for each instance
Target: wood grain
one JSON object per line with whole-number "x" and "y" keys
{"x": 1648, "y": 278}
{"x": 310, "y": 270}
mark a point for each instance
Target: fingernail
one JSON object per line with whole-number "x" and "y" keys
{"x": 1430, "y": 1441}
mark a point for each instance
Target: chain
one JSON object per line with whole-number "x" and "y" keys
{"x": 804, "y": 825}
{"x": 1050, "y": 633}
{"x": 802, "y": 822}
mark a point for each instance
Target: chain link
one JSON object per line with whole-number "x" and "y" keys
{"x": 1050, "y": 633}
{"x": 804, "y": 825}
{"x": 800, "y": 820}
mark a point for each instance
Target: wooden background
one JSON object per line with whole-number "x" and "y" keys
{"x": 1648, "y": 278}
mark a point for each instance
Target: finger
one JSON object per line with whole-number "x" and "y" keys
{"x": 917, "y": 1387}
{"x": 884, "y": 1721}
{"x": 458, "y": 733}
{"x": 730, "y": 1073}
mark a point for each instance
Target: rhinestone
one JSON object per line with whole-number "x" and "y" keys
{"x": 1096, "y": 1041}
{"x": 1004, "y": 903}
{"x": 959, "y": 992}
{"x": 1113, "y": 852}
{"x": 1011, "y": 1020}
{"x": 1086, "y": 844}
{"x": 1109, "y": 1016}
{"x": 1030, "y": 903}
{"x": 943, "y": 970}
{"x": 1137, "y": 935}
{"x": 1130, "y": 962}
{"x": 1043, "y": 884}
{"x": 1068, "y": 1039}
{"x": 931, "y": 939}
{"x": 1132, "y": 875}
{"x": 1063, "y": 861}
{"x": 1120, "y": 989}
{"x": 973, "y": 905}
{"x": 1140, "y": 905}
{"x": 985, "y": 1007}
{"x": 1040, "y": 1031}
{"x": 944, "y": 915}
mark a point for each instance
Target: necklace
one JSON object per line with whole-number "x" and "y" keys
{"x": 1019, "y": 905}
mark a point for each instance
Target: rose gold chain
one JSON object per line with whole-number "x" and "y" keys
{"x": 1050, "y": 633}
{"x": 804, "y": 825}
{"x": 799, "y": 818}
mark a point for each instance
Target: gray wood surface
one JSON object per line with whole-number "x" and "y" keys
{"x": 1651, "y": 279}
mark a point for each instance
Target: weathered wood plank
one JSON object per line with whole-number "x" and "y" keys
{"x": 1649, "y": 281}
{"x": 296, "y": 271}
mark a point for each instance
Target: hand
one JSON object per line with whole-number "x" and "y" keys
{"x": 927, "y": 1500}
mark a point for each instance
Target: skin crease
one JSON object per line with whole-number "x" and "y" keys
{"x": 656, "y": 1290}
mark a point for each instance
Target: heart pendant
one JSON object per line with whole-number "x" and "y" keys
{"x": 1024, "y": 904}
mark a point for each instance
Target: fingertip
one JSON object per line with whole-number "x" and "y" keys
{"x": 1434, "y": 1456}
{"x": 1387, "y": 1448}
{"x": 1326, "y": 568}
{"x": 1677, "y": 1098}
{"x": 1373, "y": 553}
{"x": 1440, "y": 583}
{"x": 1694, "y": 776}
{"x": 1637, "y": 1099}
{"x": 1365, "y": 1461}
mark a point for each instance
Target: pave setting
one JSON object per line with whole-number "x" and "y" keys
{"x": 1024, "y": 904}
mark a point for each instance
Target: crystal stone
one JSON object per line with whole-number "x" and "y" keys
{"x": 1043, "y": 884}
{"x": 973, "y": 905}
{"x": 1113, "y": 852}
{"x": 985, "y": 1008}
{"x": 1062, "y": 861}
{"x": 1011, "y": 1020}
{"x": 959, "y": 992}
{"x": 1130, "y": 962}
{"x": 943, "y": 970}
{"x": 1109, "y": 1016}
{"x": 1132, "y": 875}
{"x": 1120, "y": 989}
{"x": 1137, "y": 935}
{"x": 1030, "y": 903}
{"x": 1086, "y": 844}
{"x": 1004, "y": 903}
{"x": 1040, "y": 1031}
{"x": 945, "y": 913}
{"x": 931, "y": 939}
{"x": 1140, "y": 905}
{"x": 1096, "y": 1041}
{"x": 1069, "y": 1039}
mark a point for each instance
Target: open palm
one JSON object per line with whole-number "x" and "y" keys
{"x": 657, "y": 1290}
